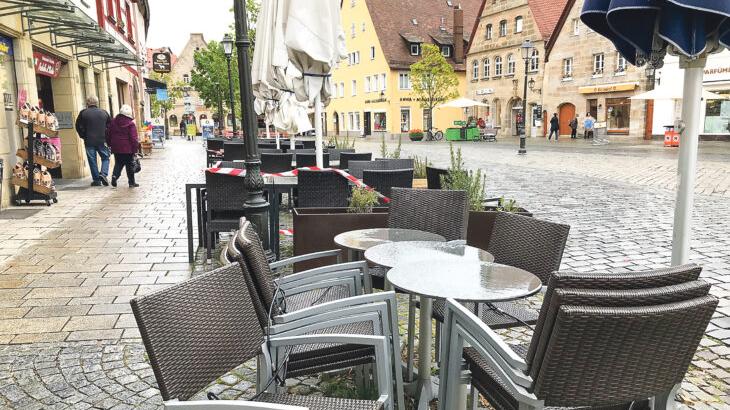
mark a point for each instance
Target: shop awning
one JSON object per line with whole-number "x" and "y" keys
{"x": 70, "y": 26}
{"x": 608, "y": 88}
{"x": 150, "y": 83}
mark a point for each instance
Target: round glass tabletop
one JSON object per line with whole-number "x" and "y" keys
{"x": 402, "y": 253}
{"x": 464, "y": 281}
{"x": 364, "y": 239}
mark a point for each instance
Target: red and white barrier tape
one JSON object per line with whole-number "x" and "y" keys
{"x": 286, "y": 232}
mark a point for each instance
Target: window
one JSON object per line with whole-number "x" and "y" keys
{"x": 518, "y": 24}
{"x": 716, "y": 118}
{"x": 618, "y": 115}
{"x": 620, "y": 63}
{"x": 446, "y": 51}
{"x": 404, "y": 81}
{"x": 354, "y": 87}
{"x": 598, "y": 63}
{"x": 382, "y": 82}
{"x": 372, "y": 52}
{"x": 405, "y": 119}
{"x": 567, "y": 68}
{"x": 354, "y": 58}
{"x": 486, "y": 68}
{"x": 357, "y": 121}
{"x": 534, "y": 60}
{"x": 488, "y": 32}
{"x": 374, "y": 83}
{"x": 186, "y": 78}
{"x": 363, "y": 27}
{"x": 380, "y": 121}
{"x": 415, "y": 49}
{"x": 503, "y": 28}
{"x": 342, "y": 90}
{"x": 352, "y": 30}
{"x": 576, "y": 27}
{"x": 475, "y": 70}
{"x": 367, "y": 84}
{"x": 510, "y": 64}
{"x": 497, "y": 66}
{"x": 130, "y": 35}
{"x": 83, "y": 79}
{"x": 110, "y": 9}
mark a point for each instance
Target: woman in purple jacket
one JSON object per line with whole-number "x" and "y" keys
{"x": 121, "y": 136}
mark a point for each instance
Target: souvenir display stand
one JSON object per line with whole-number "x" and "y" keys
{"x": 31, "y": 177}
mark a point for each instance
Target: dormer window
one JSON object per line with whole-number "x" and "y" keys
{"x": 446, "y": 51}
{"x": 415, "y": 49}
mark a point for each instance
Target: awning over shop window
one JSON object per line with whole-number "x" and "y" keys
{"x": 69, "y": 26}
{"x": 154, "y": 84}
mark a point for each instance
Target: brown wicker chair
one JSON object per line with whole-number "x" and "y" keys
{"x": 346, "y": 157}
{"x": 384, "y": 180}
{"x": 634, "y": 344}
{"x": 322, "y": 189}
{"x": 196, "y": 331}
{"x": 276, "y": 162}
{"x": 305, "y": 159}
{"x": 224, "y": 197}
{"x": 233, "y": 151}
{"x": 311, "y": 290}
{"x": 433, "y": 177}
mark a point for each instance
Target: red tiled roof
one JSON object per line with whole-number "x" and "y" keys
{"x": 393, "y": 23}
{"x": 547, "y": 14}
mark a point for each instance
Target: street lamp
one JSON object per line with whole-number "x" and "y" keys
{"x": 256, "y": 206}
{"x": 221, "y": 125}
{"x": 227, "y": 43}
{"x": 526, "y": 50}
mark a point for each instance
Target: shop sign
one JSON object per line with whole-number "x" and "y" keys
{"x": 158, "y": 129}
{"x": 162, "y": 94}
{"x": 379, "y": 100}
{"x": 207, "y": 127}
{"x": 161, "y": 63}
{"x": 6, "y": 45}
{"x": 65, "y": 120}
{"x": 46, "y": 65}
{"x": 485, "y": 91}
{"x": 607, "y": 88}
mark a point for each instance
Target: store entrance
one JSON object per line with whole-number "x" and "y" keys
{"x": 45, "y": 93}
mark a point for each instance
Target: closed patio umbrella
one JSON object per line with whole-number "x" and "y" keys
{"x": 643, "y": 31}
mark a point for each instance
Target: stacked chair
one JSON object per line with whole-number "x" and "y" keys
{"x": 602, "y": 340}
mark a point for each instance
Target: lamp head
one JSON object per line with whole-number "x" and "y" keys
{"x": 227, "y": 44}
{"x": 526, "y": 49}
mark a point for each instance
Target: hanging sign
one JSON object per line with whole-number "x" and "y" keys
{"x": 46, "y": 65}
{"x": 207, "y": 128}
{"x": 161, "y": 63}
{"x": 162, "y": 94}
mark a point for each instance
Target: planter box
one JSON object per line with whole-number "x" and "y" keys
{"x": 420, "y": 183}
{"x": 481, "y": 224}
{"x": 316, "y": 228}
{"x": 416, "y": 137}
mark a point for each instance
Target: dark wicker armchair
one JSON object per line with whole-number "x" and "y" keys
{"x": 441, "y": 212}
{"x": 346, "y": 157}
{"x": 322, "y": 189}
{"x": 232, "y": 164}
{"x": 635, "y": 344}
{"x": 310, "y": 159}
{"x": 336, "y": 153}
{"x": 383, "y": 180}
{"x": 433, "y": 177}
{"x": 397, "y": 163}
{"x": 196, "y": 331}
{"x": 276, "y": 162}
{"x": 356, "y": 168}
{"x": 213, "y": 148}
{"x": 224, "y": 197}
{"x": 233, "y": 151}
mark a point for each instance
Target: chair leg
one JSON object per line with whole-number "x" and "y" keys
{"x": 665, "y": 400}
{"x": 474, "y": 397}
{"x": 411, "y": 337}
{"x": 437, "y": 346}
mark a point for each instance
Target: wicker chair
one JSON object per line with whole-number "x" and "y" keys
{"x": 232, "y": 164}
{"x": 309, "y": 144}
{"x": 310, "y": 160}
{"x": 213, "y": 148}
{"x": 315, "y": 290}
{"x": 635, "y": 344}
{"x": 383, "y": 180}
{"x": 234, "y": 151}
{"x": 356, "y": 168}
{"x": 322, "y": 189}
{"x": 397, "y": 163}
{"x": 346, "y": 157}
{"x": 527, "y": 243}
{"x": 224, "y": 197}
{"x": 441, "y": 212}
{"x": 276, "y": 162}
{"x": 197, "y": 330}
{"x": 287, "y": 147}
{"x": 270, "y": 150}
{"x": 433, "y": 177}
{"x": 336, "y": 153}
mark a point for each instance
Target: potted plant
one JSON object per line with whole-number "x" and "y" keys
{"x": 419, "y": 171}
{"x": 316, "y": 228}
{"x": 415, "y": 134}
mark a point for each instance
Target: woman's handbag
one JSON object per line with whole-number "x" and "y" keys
{"x": 136, "y": 164}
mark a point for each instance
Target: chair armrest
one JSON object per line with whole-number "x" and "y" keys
{"x": 227, "y": 404}
{"x": 352, "y": 275}
{"x": 388, "y": 297}
{"x": 307, "y": 257}
{"x": 373, "y": 312}
{"x": 347, "y": 282}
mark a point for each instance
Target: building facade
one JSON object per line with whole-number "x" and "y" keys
{"x": 56, "y": 56}
{"x": 585, "y": 74}
{"x": 190, "y": 106}
{"x": 372, "y": 92}
{"x": 496, "y": 67}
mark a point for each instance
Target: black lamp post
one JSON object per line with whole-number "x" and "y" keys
{"x": 256, "y": 206}
{"x": 526, "y": 50}
{"x": 221, "y": 124}
{"x": 227, "y": 43}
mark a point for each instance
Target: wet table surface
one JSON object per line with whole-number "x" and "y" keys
{"x": 401, "y": 253}
{"x": 364, "y": 239}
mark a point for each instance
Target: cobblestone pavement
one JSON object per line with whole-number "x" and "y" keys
{"x": 68, "y": 340}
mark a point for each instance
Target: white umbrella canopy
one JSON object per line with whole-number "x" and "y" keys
{"x": 673, "y": 93}
{"x": 462, "y": 103}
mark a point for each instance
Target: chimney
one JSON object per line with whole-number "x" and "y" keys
{"x": 458, "y": 35}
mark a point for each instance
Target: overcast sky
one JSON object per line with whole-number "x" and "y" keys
{"x": 172, "y": 21}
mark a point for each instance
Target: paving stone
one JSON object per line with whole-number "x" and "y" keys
{"x": 32, "y": 325}
{"x": 50, "y": 311}
{"x": 94, "y": 334}
{"x": 91, "y": 322}
{"x": 114, "y": 308}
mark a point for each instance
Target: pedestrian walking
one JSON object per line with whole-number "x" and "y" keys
{"x": 91, "y": 125}
{"x": 574, "y": 128}
{"x": 588, "y": 124}
{"x": 554, "y": 127}
{"x": 183, "y": 128}
{"x": 122, "y": 139}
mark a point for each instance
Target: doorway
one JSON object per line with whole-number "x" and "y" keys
{"x": 565, "y": 114}
{"x": 336, "y": 119}
{"x": 366, "y": 123}
{"x": 45, "y": 93}
{"x": 516, "y": 116}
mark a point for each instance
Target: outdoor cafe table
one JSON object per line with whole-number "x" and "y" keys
{"x": 363, "y": 239}
{"x": 401, "y": 253}
{"x": 466, "y": 281}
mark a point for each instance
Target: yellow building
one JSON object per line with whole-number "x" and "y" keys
{"x": 371, "y": 89}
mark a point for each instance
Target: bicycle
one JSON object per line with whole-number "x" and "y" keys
{"x": 434, "y": 136}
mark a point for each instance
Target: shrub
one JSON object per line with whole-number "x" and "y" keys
{"x": 419, "y": 166}
{"x": 461, "y": 179}
{"x": 362, "y": 201}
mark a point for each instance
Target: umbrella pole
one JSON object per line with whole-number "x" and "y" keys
{"x": 687, "y": 169}
{"x": 318, "y": 130}
{"x": 276, "y": 134}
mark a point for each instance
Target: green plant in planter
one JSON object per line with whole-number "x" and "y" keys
{"x": 419, "y": 166}
{"x": 415, "y": 134}
{"x": 461, "y": 179}
{"x": 362, "y": 201}
{"x": 507, "y": 205}
{"x": 384, "y": 153}
{"x": 341, "y": 143}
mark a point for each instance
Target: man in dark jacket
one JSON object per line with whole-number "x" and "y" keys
{"x": 554, "y": 127}
{"x": 91, "y": 126}
{"x": 574, "y": 127}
